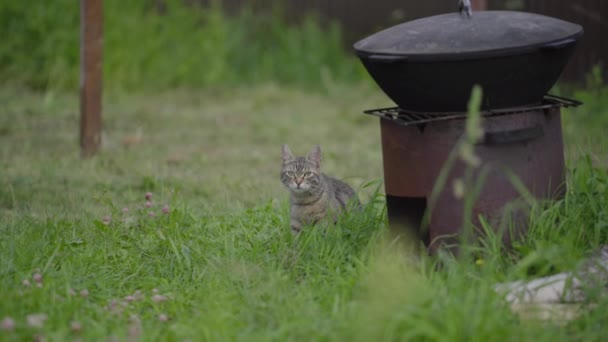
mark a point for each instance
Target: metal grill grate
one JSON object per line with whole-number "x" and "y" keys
{"x": 409, "y": 118}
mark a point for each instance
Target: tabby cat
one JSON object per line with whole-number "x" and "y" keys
{"x": 313, "y": 195}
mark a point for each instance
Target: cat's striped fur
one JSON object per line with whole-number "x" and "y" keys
{"x": 313, "y": 194}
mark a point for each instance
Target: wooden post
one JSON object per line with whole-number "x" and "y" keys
{"x": 91, "y": 50}
{"x": 479, "y": 5}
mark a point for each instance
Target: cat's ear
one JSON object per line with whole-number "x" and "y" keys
{"x": 315, "y": 155}
{"x": 287, "y": 155}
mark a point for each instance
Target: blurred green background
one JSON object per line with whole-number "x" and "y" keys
{"x": 177, "y": 45}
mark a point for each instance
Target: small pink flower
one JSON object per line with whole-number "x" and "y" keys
{"x": 8, "y": 324}
{"x": 166, "y": 209}
{"x": 117, "y": 311}
{"x": 125, "y": 210}
{"x": 158, "y": 298}
{"x": 36, "y": 320}
{"x": 71, "y": 292}
{"x": 106, "y": 220}
{"x": 163, "y": 318}
{"x": 37, "y": 277}
{"x": 112, "y": 304}
{"x": 148, "y": 204}
{"x": 148, "y": 196}
{"x": 113, "y": 307}
{"x": 76, "y": 326}
{"x": 84, "y": 293}
{"x": 134, "y": 331}
{"x": 129, "y": 298}
{"x": 26, "y": 283}
{"x": 151, "y": 214}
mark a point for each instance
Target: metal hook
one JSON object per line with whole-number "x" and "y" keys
{"x": 464, "y": 6}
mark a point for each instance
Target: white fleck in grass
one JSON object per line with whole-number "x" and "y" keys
{"x": 158, "y": 298}
{"x": 76, "y": 326}
{"x": 37, "y": 277}
{"x": 106, "y": 220}
{"x": 36, "y": 320}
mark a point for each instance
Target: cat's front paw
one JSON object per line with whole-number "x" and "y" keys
{"x": 295, "y": 229}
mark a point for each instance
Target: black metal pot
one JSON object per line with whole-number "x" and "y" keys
{"x": 431, "y": 64}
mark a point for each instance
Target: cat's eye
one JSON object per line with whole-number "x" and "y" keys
{"x": 289, "y": 173}
{"x": 308, "y": 174}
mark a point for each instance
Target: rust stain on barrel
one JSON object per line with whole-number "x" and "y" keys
{"x": 414, "y": 156}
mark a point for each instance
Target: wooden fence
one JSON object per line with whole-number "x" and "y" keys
{"x": 360, "y": 18}
{"x": 593, "y": 16}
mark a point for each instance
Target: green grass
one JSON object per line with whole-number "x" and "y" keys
{"x": 212, "y": 147}
{"x": 180, "y": 45}
{"x": 224, "y": 256}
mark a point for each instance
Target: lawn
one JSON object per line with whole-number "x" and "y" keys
{"x": 211, "y": 257}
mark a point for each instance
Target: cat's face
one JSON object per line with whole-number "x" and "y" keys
{"x": 301, "y": 174}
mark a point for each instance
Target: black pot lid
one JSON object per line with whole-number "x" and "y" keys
{"x": 455, "y": 36}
